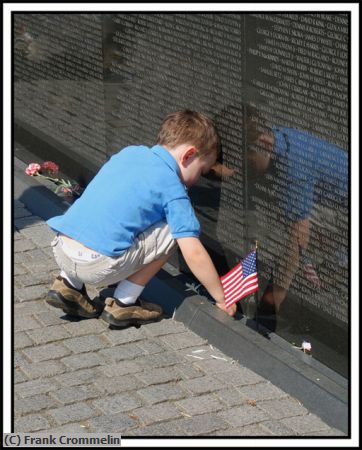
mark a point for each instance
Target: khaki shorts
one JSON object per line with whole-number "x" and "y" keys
{"x": 154, "y": 243}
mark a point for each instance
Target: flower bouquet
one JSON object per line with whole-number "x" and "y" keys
{"x": 48, "y": 168}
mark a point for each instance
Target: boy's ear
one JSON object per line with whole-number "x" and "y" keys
{"x": 188, "y": 154}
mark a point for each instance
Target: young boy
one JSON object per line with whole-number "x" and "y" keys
{"x": 130, "y": 219}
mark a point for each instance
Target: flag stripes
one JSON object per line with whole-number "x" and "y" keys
{"x": 241, "y": 280}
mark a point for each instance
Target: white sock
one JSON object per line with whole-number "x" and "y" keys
{"x": 73, "y": 281}
{"x": 128, "y": 292}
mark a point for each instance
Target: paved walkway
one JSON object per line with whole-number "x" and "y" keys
{"x": 157, "y": 380}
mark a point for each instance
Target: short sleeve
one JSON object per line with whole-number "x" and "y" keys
{"x": 181, "y": 218}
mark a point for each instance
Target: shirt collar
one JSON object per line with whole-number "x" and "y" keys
{"x": 166, "y": 156}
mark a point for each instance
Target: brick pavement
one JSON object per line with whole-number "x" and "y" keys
{"x": 157, "y": 380}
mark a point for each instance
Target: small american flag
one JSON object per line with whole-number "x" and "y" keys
{"x": 241, "y": 280}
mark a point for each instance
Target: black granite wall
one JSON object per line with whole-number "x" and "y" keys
{"x": 86, "y": 85}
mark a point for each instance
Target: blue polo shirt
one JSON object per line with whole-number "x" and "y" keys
{"x": 310, "y": 170}
{"x": 136, "y": 188}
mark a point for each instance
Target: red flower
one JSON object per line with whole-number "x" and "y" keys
{"x": 33, "y": 169}
{"x": 50, "y": 166}
{"x": 66, "y": 186}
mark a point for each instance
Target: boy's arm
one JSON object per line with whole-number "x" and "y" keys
{"x": 204, "y": 270}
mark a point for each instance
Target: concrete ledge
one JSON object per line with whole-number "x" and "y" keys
{"x": 321, "y": 390}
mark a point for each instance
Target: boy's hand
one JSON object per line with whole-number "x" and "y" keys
{"x": 220, "y": 170}
{"x": 231, "y": 310}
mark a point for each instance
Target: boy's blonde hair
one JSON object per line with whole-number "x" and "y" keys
{"x": 189, "y": 127}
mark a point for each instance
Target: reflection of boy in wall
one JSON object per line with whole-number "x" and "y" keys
{"x": 307, "y": 170}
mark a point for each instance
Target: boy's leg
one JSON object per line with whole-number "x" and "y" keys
{"x": 68, "y": 291}
{"x": 136, "y": 267}
{"x": 125, "y": 307}
{"x": 128, "y": 290}
{"x": 144, "y": 275}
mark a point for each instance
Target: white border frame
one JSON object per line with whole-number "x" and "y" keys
{"x": 8, "y": 8}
